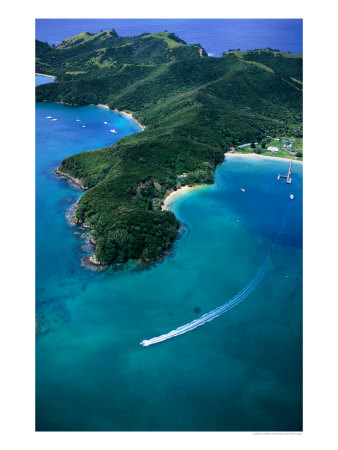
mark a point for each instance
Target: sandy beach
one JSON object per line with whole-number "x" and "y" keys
{"x": 103, "y": 106}
{"x": 130, "y": 116}
{"x": 178, "y": 192}
{"x": 45, "y": 75}
{"x": 184, "y": 189}
{"x": 255, "y": 155}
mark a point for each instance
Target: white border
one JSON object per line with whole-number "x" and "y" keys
{"x": 17, "y": 224}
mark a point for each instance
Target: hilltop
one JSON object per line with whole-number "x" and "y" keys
{"x": 194, "y": 108}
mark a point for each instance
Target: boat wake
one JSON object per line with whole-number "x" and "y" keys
{"x": 238, "y": 298}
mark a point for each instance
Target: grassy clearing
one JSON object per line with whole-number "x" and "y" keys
{"x": 282, "y": 153}
{"x": 164, "y": 36}
{"x": 79, "y": 72}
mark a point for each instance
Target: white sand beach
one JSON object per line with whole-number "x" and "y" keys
{"x": 255, "y": 155}
{"x": 178, "y": 192}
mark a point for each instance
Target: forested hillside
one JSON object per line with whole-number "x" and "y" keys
{"x": 194, "y": 108}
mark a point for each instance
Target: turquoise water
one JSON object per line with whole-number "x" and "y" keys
{"x": 240, "y": 372}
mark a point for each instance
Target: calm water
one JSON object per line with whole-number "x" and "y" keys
{"x": 243, "y": 371}
{"x": 40, "y": 79}
{"x": 215, "y": 35}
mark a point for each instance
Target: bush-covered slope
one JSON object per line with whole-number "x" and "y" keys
{"x": 194, "y": 108}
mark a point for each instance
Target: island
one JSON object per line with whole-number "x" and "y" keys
{"x": 193, "y": 109}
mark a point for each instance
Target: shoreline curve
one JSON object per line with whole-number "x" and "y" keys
{"x": 255, "y": 155}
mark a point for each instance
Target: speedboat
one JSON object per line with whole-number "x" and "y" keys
{"x": 83, "y": 126}
{"x": 77, "y": 120}
{"x": 54, "y": 119}
{"x": 291, "y": 196}
{"x": 48, "y": 117}
{"x": 243, "y": 190}
{"x": 106, "y": 123}
{"x": 144, "y": 343}
{"x": 113, "y": 131}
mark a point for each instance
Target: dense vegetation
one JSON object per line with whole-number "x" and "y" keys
{"x": 194, "y": 109}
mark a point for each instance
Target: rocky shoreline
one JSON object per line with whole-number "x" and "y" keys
{"x": 71, "y": 179}
{"x": 89, "y": 261}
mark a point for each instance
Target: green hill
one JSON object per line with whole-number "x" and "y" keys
{"x": 194, "y": 109}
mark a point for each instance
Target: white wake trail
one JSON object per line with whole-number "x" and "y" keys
{"x": 239, "y": 297}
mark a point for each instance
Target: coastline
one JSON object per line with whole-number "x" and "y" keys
{"x": 255, "y": 155}
{"x": 167, "y": 200}
{"x": 90, "y": 262}
{"x": 130, "y": 116}
{"x": 124, "y": 113}
{"x": 70, "y": 178}
{"x": 45, "y": 75}
{"x": 178, "y": 192}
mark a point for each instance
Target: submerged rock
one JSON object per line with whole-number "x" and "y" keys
{"x": 197, "y": 309}
{"x": 91, "y": 263}
{"x": 70, "y": 214}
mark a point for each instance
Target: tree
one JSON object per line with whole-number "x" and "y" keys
{"x": 252, "y": 145}
{"x": 263, "y": 145}
{"x": 299, "y": 154}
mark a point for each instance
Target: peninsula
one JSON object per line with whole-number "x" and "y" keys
{"x": 194, "y": 109}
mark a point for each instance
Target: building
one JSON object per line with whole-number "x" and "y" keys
{"x": 273, "y": 149}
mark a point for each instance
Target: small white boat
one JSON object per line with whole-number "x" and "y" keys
{"x": 291, "y": 196}
{"x": 106, "y": 123}
{"x": 243, "y": 190}
{"x": 83, "y": 126}
{"x": 48, "y": 117}
{"x": 113, "y": 131}
{"x": 54, "y": 119}
{"x": 144, "y": 343}
{"x": 77, "y": 120}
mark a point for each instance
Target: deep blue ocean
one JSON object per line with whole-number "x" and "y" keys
{"x": 215, "y": 35}
{"x": 240, "y": 372}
